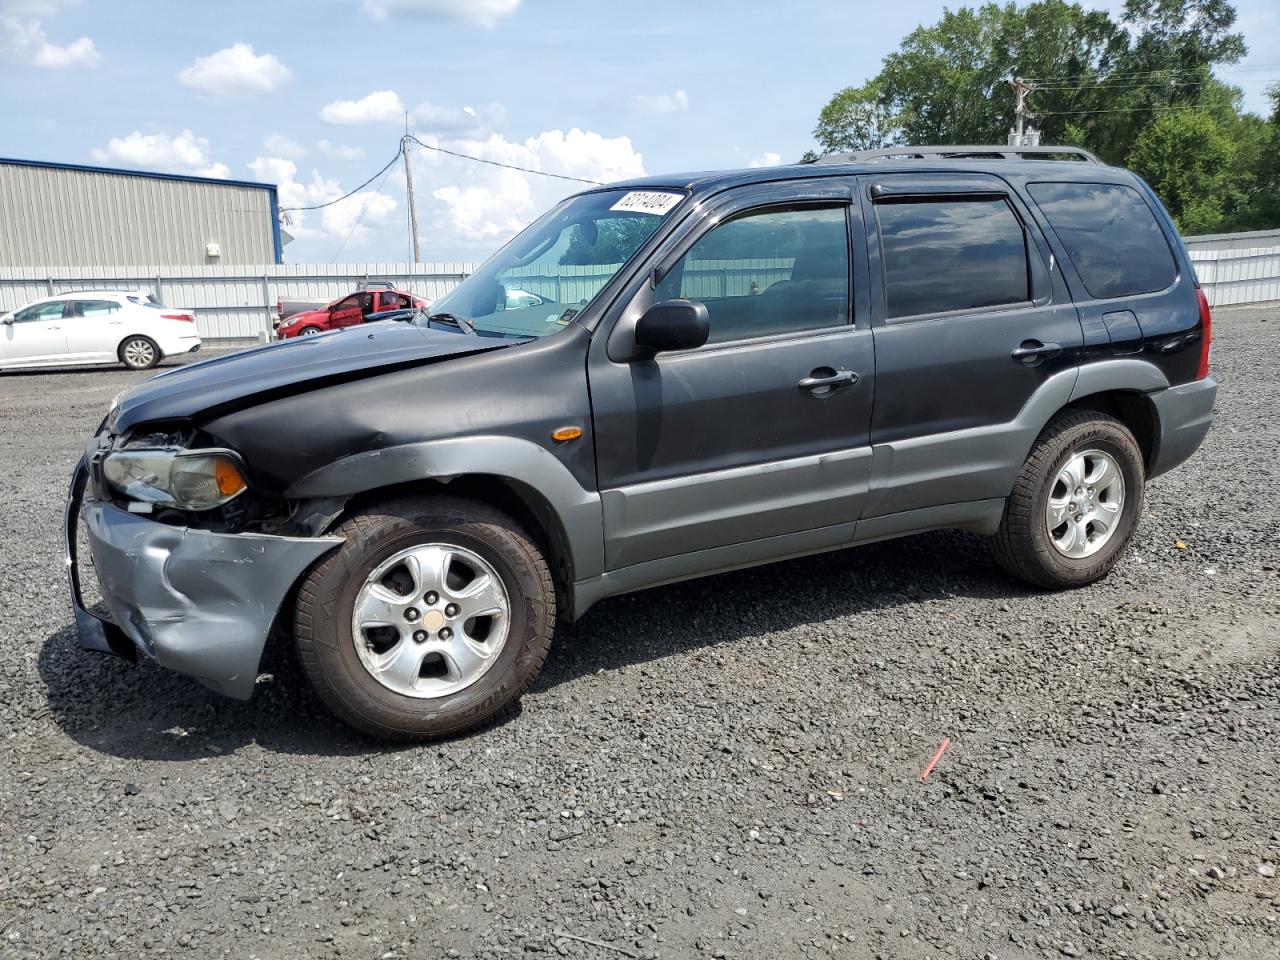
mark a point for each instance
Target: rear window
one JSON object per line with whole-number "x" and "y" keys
{"x": 1111, "y": 236}
{"x": 946, "y": 254}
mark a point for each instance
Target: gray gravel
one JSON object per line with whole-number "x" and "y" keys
{"x": 728, "y": 768}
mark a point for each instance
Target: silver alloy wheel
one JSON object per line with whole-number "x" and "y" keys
{"x": 139, "y": 353}
{"x": 1085, "y": 504}
{"x": 308, "y": 332}
{"x": 431, "y": 620}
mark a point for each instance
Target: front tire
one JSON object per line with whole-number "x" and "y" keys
{"x": 432, "y": 618}
{"x": 139, "y": 353}
{"x": 1075, "y": 504}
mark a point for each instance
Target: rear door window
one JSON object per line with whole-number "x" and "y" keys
{"x": 948, "y": 254}
{"x": 93, "y": 308}
{"x": 1111, "y": 236}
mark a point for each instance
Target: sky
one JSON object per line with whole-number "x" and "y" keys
{"x": 311, "y": 95}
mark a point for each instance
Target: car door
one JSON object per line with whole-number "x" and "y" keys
{"x": 347, "y": 312}
{"x": 971, "y": 322}
{"x": 34, "y": 336}
{"x": 761, "y": 434}
{"x": 94, "y": 329}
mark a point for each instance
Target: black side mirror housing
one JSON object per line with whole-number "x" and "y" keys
{"x": 673, "y": 325}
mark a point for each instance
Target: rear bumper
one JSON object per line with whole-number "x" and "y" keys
{"x": 1185, "y": 413}
{"x": 197, "y": 602}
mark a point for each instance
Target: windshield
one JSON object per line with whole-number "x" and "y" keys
{"x": 539, "y": 281}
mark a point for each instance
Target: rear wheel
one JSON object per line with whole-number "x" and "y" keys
{"x": 139, "y": 353}
{"x": 433, "y": 617}
{"x": 1076, "y": 503}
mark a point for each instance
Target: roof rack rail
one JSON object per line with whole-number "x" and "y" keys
{"x": 962, "y": 152}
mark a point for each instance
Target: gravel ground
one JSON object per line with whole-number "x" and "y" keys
{"x": 729, "y": 768}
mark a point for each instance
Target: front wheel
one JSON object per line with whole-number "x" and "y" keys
{"x": 1075, "y": 505}
{"x": 433, "y": 617}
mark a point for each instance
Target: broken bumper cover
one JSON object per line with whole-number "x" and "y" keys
{"x": 197, "y": 602}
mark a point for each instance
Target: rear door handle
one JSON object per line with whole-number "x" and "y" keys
{"x": 1031, "y": 352}
{"x": 828, "y": 382}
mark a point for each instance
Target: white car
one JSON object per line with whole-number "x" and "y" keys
{"x": 95, "y": 326}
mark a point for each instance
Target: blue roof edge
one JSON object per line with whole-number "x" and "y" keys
{"x": 150, "y": 174}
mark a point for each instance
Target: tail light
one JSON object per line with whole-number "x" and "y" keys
{"x": 185, "y": 317}
{"x": 1206, "y": 334}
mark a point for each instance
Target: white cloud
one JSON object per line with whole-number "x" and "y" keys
{"x": 660, "y": 103}
{"x": 183, "y": 153}
{"x": 766, "y": 159}
{"x": 22, "y": 37}
{"x": 487, "y": 205}
{"x": 235, "y": 72}
{"x": 480, "y": 13}
{"x": 339, "y": 151}
{"x": 470, "y": 122}
{"x": 381, "y": 106}
{"x": 281, "y": 146}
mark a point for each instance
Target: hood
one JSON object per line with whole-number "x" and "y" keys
{"x": 289, "y": 366}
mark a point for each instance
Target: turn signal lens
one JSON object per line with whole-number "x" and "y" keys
{"x": 565, "y": 434}
{"x": 227, "y": 477}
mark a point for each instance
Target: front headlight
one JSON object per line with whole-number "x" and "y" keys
{"x": 186, "y": 479}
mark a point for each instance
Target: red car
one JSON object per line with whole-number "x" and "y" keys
{"x": 346, "y": 311}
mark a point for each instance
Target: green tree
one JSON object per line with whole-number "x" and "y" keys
{"x": 856, "y": 118}
{"x": 1188, "y": 159}
{"x": 948, "y": 83}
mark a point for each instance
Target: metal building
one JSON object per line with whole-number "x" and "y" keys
{"x": 65, "y": 215}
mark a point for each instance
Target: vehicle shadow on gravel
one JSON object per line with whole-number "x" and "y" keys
{"x": 880, "y": 577}
{"x": 143, "y": 712}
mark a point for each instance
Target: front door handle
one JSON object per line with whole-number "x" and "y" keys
{"x": 819, "y": 381}
{"x": 1031, "y": 352}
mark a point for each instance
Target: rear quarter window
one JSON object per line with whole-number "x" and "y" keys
{"x": 1111, "y": 236}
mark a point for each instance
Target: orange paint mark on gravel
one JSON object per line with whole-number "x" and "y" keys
{"x": 946, "y": 742}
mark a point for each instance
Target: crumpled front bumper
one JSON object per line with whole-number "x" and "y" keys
{"x": 199, "y": 603}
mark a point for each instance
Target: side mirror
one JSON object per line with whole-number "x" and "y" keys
{"x": 673, "y": 325}
{"x": 7, "y": 321}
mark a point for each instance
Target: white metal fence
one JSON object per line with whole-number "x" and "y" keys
{"x": 239, "y": 302}
{"x": 1238, "y": 268}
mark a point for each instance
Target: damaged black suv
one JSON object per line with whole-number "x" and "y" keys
{"x": 656, "y": 380}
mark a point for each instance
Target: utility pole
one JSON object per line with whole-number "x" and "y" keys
{"x": 408, "y": 181}
{"x": 1018, "y": 137}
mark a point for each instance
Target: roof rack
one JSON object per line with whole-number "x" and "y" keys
{"x": 963, "y": 152}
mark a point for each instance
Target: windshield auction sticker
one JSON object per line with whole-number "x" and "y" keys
{"x": 648, "y": 201}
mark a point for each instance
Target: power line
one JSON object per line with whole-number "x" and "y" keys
{"x": 1107, "y": 85}
{"x": 1257, "y": 68}
{"x": 496, "y": 163}
{"x": 330, "y": 203}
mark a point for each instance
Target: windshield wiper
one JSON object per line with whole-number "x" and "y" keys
{"x": 460, "y": 322}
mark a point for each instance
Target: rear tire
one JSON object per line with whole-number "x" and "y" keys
{"x": 139, "y": 353}
{"x": 424, "y": 674}
{"x": 1075, "y": 504}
